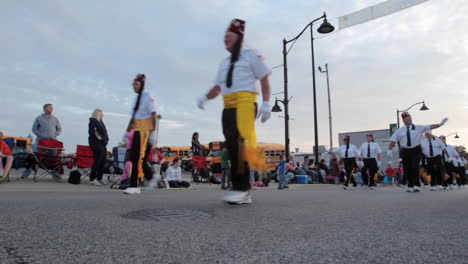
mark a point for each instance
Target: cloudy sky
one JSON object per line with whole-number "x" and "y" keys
{"x": 82, "y": 55}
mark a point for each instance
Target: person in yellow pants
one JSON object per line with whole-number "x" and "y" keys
{"x": 236, "y": 81}
{"x": 143, "y": 122}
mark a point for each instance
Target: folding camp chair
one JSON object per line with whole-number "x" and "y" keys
{"x": 48, "y": 158}
{"x": 84, "y": 160}
{"x": 10, "y": 142}
{"x": 118, "y": 155}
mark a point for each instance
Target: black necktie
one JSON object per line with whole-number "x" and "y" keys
{"x": 443, "y": 154}
{"x": 346, "y": 153}
{"x": 431, "y": 150}
{"x": 408, "y": 137}
{"x": 368, "y": 150}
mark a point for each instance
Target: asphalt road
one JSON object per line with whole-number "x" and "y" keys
{"x": 48, "y": 222}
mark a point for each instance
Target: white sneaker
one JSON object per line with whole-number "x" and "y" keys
{"x": 132, "y": 190}
{"x": 445, "y": 187}
{"x": 237, "y": 197}
{"x": 402, "y": 185}
{"x": 434, "y": 188}
{"x": 345, "y": 187}
{"x": 410, "y": 189}
{"x": 459, "y": 187}
{"x": 372, "y": 188}
{"x": 103, "y": 182}
{"x": 439, "y": 187}
{"x": 416, "y": 189}
{"x": 1, "y": 171}
{"x": 452, "y": 186}
{"x": 95, "y": 183}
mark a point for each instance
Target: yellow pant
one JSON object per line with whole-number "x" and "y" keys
{"x": 144, "y": 126}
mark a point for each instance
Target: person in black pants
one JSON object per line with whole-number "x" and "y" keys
{"x": 348, "y": 154}
{"x": 371, "y": 154}
{"x": 98, "y": 139}
{"x": 432, "y": 149}
{"x": 409, "y": 137}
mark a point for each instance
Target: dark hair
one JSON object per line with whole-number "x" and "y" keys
{"x": 288, "y": 160}
{"x": 46, "y": 105}
{"x": 234, "y": 57}
{"x": 175, "y": 161}
{"x": 194, "y": 134}
{"x": 137, "y": 104}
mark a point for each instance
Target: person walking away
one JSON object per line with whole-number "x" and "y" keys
{"x": 409, "y": 137}
{"x": 236, "y": 81}
{"x": 97, "y": 139}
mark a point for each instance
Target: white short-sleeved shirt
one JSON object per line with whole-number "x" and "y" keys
{"x": 415, "y": 134}
{"x": 460, "y": 162}
{"x": 249, "y": 68}
{"x": 452, "y": 154}
{"x": 352, "y": 151}
{"x": 147, "y": 106}
{"x": 437, "y": 146}
{"x": 373, "y": 147}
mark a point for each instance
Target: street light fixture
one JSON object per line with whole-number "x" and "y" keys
{"x": 456, "y": 135}
{"x": 276, "y": 108}
{"x": 423, "y": 108}
{"x": 324, "y": 28}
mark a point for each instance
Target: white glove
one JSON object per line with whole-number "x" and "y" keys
{"x": 390, "y": 154}
{"x": 443, "y": 121}
{"x": 379, "y": 164}
{"x": 265, "y": 111}
{"x": 124, "y": 137}
{"x": 201, "y": 102}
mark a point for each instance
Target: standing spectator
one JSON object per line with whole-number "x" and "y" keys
{"x": 98, "y": 139}
{"x": 390, "y": 173}
{"x": 226, "y": 179}
{"x": 197, "y": 152}
{"x": 283, "y": 181}
{"x": 46, "y": 126}
{"x": 5, "y": 153}
{"x": 174, "y": 175}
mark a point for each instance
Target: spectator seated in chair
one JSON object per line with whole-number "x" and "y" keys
{"x": 5, "y": 156}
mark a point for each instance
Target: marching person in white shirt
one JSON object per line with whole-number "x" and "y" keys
{"x": 371, "y": 155}
{"x": 409, "y": 137}
{"x": 448, "y": 158}
{"x": 348, "y": 154}
{"x": 433, "y": 148}
{"x": 237, "y": 81}
{"x": 459, "y": 165}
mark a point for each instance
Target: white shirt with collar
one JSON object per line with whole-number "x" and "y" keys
{"x": 249, "y": 68}
{"x": 460, "y": 162}
{"x": 452, "y": 154}
{"x": 147, "y": 106}
{"x": 437, "y": 146}
{"x": 416, "y": 132}
{"x": 353, "y": 152}
{"x": 374, "y": 150}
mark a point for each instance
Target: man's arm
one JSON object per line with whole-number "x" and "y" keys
{"x": 266, "y": 88}
{"x": 35, "y": 128}
{"x": 213, "y": 92}
{"x": 434, "y": 126}
{"x": 58, "y": 128}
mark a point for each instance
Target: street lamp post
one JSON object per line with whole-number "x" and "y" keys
{"x": 455, "y": 133}
{"x": 329, "y": 104}
{"x": 423, "y": 108}
{"x": 324, "y": 28}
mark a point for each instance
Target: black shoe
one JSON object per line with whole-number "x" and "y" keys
{"x": 286, "y": 187}
{"x": 280, "y": 188}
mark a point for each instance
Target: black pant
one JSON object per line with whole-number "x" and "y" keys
{"x": 176, "y": 184}
{"x": 461, "y": 172}
{"x": 435, "y": 168}
{"x": 349, "y": 165}
{"x": 240, "y": 171}
{"x": 370, "y": 166}
{"x": 411, "y": 158}
{"x": 449, "y": 170}
{"x": 99, "y": 156}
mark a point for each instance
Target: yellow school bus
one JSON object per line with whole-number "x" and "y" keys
{"x": 172, "y": 152}
{"x": 272, "y": 153}
{"x": 20, "y": 142}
